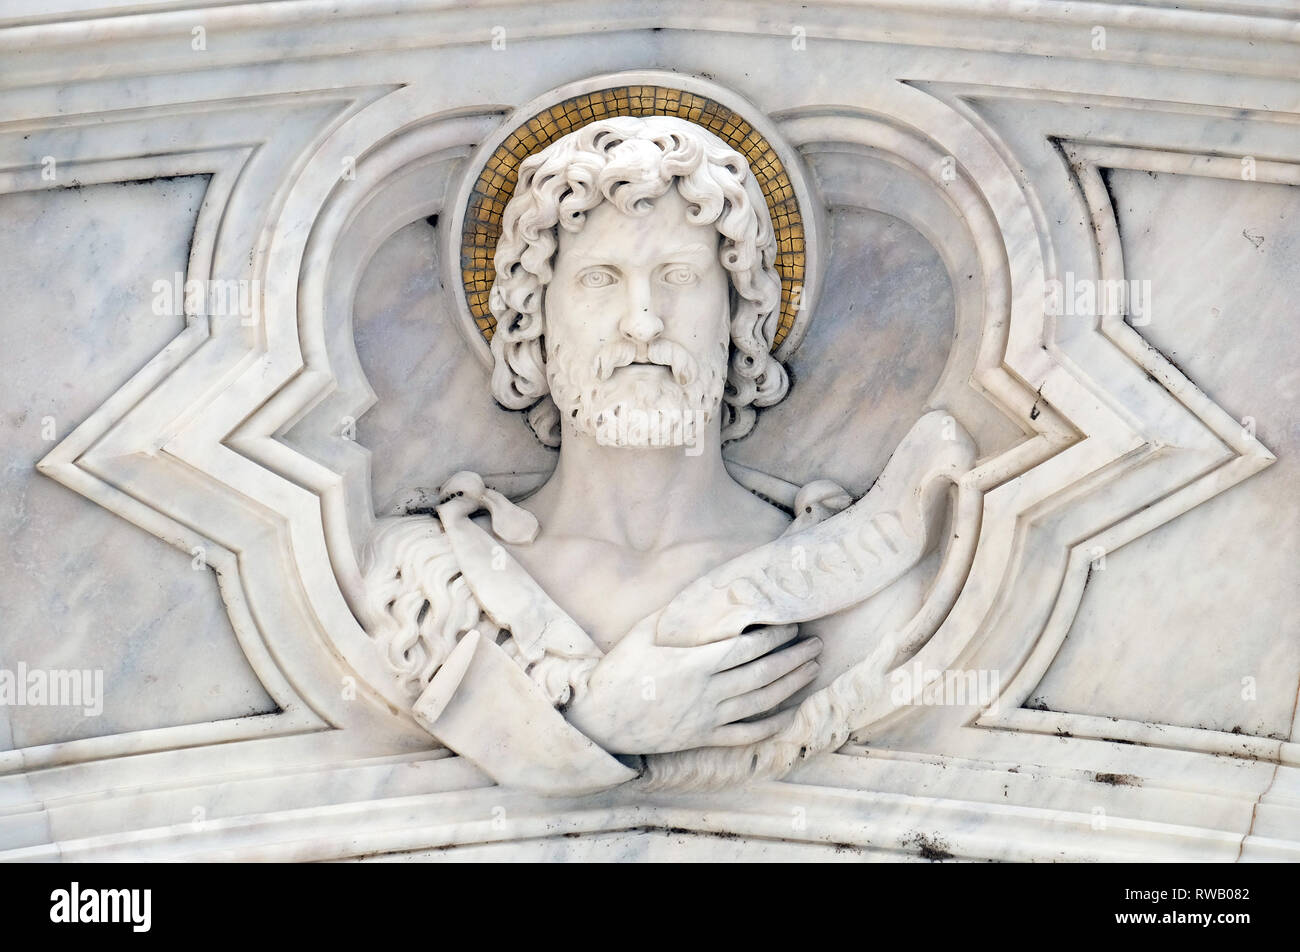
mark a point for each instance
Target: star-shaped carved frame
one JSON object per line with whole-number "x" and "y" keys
{"x": 194, "y": 449}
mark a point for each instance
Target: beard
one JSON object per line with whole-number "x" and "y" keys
{"x": 634, "y": 409}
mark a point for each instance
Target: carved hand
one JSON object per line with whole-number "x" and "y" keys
{"x": 645, "y": 698}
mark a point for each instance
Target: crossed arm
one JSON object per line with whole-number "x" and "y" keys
{"x": 641, "y": 698}
{"x": 645, "y": 698}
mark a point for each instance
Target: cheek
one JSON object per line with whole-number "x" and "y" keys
{"x": 719, "y": 307}
{"x": 701, "y": 312}
{"x": 563, "y": 314}
{"x": 573, "y": 322}
{"x": 705, "y": 326}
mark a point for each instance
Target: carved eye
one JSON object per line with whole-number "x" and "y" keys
{"x": 680, "y": 275}
{"x": 597, "y": 278}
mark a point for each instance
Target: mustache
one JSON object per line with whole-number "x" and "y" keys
{"x": 665, "y": 353}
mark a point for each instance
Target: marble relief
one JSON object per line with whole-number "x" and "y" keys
{"x": 631, "y": 439}
{"x": 636, "y": 305}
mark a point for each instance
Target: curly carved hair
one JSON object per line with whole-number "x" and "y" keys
{"x": 630, "y": 162}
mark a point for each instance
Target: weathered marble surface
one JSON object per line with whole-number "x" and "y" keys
{"x": 82, "y": 589}
{"x": 1210, "y": 598}
{"x": 1124, "y": 728}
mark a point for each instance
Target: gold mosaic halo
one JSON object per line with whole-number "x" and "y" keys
{"x": 496, "y": 183}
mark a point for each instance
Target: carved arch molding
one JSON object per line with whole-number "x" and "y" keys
{"x": 235, "y": 438}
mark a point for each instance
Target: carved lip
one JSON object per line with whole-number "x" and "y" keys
{"x": 644, "y": 363}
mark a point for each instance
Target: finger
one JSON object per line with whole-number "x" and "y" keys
{"x": 766, "y": 698}
{"x": 756, "y": 674}
{"x": 753, "y": 644}
{"x": 751, "y": 732}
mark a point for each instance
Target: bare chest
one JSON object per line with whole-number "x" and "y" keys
{"x": 607, "y": 588}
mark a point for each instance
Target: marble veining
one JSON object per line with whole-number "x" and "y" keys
{"x": 978, "y": 543}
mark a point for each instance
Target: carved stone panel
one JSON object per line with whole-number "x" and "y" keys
{"x": 453, "y": 437}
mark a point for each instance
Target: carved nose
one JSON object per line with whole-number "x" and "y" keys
{"x": 640, "y": 323}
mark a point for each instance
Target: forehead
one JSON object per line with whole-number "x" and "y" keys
{"x": 612, "y": 235}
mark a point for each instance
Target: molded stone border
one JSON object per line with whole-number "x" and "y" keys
{"x": 1169, "y": 819}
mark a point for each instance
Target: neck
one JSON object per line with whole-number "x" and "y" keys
{"x": 641, "y": 499}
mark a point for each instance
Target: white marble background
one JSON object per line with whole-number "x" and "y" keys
{"x": 1190, "y": 629}
{"x": 80, "y": 588}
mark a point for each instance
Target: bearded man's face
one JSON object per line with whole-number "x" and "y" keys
{"x": 637, "y": 331}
